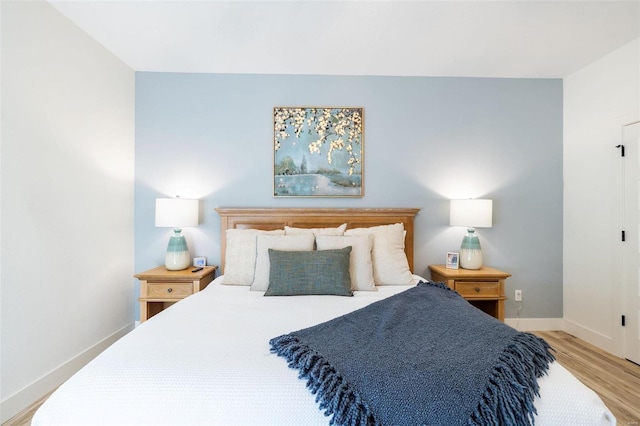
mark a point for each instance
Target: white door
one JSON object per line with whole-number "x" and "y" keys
{"x": 631, "y": 246}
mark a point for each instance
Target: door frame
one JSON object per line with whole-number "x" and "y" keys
{"x": 618, "y": 286}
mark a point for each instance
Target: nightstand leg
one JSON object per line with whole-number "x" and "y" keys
{"x": 144, "y": 313}
{"x": 501, "y": 310}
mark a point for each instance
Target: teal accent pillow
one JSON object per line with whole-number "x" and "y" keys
{"x": 296, "y": 273}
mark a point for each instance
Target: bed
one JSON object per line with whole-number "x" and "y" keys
{"x": 207, "y": 360}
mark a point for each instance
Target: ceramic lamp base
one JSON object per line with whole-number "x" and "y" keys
{"x": 177, "y": 257}
{"x": 470, "y": 251}
{"x": 470, "y": 259}
{"x": 177, "y": 261}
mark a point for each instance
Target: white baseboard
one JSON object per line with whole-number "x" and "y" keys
{"x": 590, "y": 336}
{"x": 535, "y": 324}
{"x": 550, "y": 324}
{"x": 36, "y": 390}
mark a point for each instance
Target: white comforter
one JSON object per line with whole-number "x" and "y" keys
{"x": 206, "y": 361}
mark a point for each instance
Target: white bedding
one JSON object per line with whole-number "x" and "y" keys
{"x": 206, "y": 361}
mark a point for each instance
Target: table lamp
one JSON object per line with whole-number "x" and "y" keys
{"x": 472, "y": 214}
{"x": 176, "y": 213}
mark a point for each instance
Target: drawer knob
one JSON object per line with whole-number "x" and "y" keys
{"x": 169, "y": 290}
{"x": 477, "y": 289}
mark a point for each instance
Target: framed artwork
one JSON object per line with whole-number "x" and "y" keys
{"x": 452, "y": 260}
{"x": 318, "y": 152}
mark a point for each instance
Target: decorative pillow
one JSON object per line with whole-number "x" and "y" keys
{"x": 360, "y": 265}
{"x": 288, "y": 230}
{"x": 240, "y": 255}
{"x": 390, "y": 264}
{"x": 295, "y": 273}
{"x": 298, "y": 242}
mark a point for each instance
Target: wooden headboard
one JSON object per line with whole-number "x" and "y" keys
{"x": 273, "y": 218}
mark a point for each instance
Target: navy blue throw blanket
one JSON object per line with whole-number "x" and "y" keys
{"x": 422, "y": 357}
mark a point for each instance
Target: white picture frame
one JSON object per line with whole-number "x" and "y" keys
{"x": 453, "y": 260}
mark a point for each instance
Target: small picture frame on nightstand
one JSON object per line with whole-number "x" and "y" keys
{"x": 199, "y": 261}
{"x": 452, "y": 260}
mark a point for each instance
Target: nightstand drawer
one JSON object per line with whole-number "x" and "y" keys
{"x": 483, "y": 288}
{"x": 167, "y": 290}
{"x": 478, "y": 288}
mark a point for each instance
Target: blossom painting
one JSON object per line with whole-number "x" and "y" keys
{"x": 318, "y": 152}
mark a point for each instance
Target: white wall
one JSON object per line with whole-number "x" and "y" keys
{"x": 597, "y": 100}
{"x": 67, "y": 166}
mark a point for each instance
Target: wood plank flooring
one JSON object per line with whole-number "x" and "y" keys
{"x": 616, "y": 380}
{"x": 24, "y": 417}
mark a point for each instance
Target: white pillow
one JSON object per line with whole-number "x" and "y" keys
{"x": 360, "y": 265}
{"x": 390, "y": 264}
{"x": 288, "y": 230}
{"x": 278, "y": 242}
{"x": 240, "y": 255}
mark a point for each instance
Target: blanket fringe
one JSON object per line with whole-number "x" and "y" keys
{"x": 331, "y": 389}
{"x": 513, "y": 387}
{"x": 438, "y": 284}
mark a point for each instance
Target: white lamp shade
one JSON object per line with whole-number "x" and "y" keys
{"x": 471, "y": 213}
{"x": 176, "y": 212}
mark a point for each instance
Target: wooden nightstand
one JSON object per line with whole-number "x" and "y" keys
{"x": 483, "y": 288}
{"x": 160, "y": 288}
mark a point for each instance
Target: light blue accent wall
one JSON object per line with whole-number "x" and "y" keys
{"x": 426, "y": 140}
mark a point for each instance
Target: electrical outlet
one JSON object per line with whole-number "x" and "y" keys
{"x": 518, "y": 296}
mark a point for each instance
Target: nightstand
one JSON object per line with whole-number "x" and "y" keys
{"x": 160, "y": 288}
{"x": 483, "y": 288}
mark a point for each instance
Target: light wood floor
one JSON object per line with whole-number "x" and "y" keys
{"x": 24, "y": 418}
{"x": 616, "y": 380}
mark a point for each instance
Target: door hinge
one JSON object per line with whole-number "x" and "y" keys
{"x": 624, "y": 321}
{"x": 621, "y": 149}
{"x": 623, "y": 236}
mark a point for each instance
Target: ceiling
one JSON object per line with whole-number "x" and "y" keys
{"x": 511, "y": 38}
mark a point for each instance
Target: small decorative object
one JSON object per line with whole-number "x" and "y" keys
{"x": 199, "y": 261}
{"x": 452, "y": 260}
{"x": 176, "y": 213}
{"x": 318, "y": 152}
{"x": 472, "y": 214}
